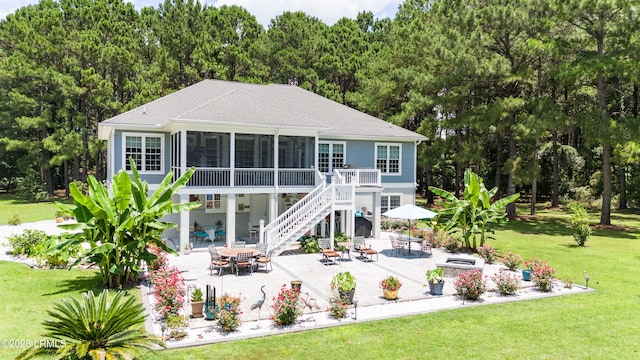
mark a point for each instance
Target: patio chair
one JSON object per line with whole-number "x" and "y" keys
{"x": 262, "y": 247}
{"x": 200, "y": 235}
{"x": 367, "y": 252}
{"x": 396, "y": 245}
{"x": 264, "y": 261}
{"x": 244, "y": 260}
{"x": 217, "y": 260}
{"x": 328, "y": 254}
{"x": 252, "y": 231}
{"x": 425, "y": 247}
{"x": 238, "y": 244}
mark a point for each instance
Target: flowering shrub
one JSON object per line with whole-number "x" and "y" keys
{"x": 507, "y": 283}
{"x": 533, "y": 263}
{"x": 511, "y": 260}
{"x": 168, "y": 290}
{"x": 161, "y": 259}
{"x": 391, "y": 283}
{"x": 488, "y": 253}
{"x": 453, "y": 245}
{"x": 470, "y": 285}
{"x": 229, "y": 314}
{"x": 337, "y": 307}
{"x": 542, "y": 275}
{"x": 286, "y": 307}
{"x": 439, "y": 239}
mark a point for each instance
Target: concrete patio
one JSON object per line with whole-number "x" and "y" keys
{"x": 414, "y": 297}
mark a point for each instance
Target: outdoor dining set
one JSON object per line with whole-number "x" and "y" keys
{"x": 238, "y": 256}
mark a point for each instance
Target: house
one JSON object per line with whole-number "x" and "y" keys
{"x": 272, "y": 161}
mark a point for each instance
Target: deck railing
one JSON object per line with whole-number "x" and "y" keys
{"x": 217, "y": 177}
{"x": 360, "y": 177}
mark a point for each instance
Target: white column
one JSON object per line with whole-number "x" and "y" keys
{"x": 183, "y": 152}
{"x": 231, "y": 219}
{"x": 376, "y": 216}
{"x": 332, "y": 226}
{"x": 273, "y": 207}
{"x": 184, "y": 224}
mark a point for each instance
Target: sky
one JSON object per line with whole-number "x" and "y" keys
{"x": 329, "y": 11}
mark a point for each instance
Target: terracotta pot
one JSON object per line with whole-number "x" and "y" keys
{"x": 196, "y": 309}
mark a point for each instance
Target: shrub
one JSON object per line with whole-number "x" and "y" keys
{"x": 26, "y": 242}
{"x": 507, "y": 283}
{"x": 168, "y": 290}
{"x": 48, "y": 251}
{"x": 337, "y": 307}
{"x": 229, "y": 314}
{"x": 15, "y": 219}
{"x": 177, "y": 325}
{"x": 453, "y": 245}
{"x": 31, "y": 187}
{"x": 286, "y": 307}
{"x": 470, "y": 285}
{"x": 488, "y": 253}
{"x": 542, "y": 275}
{"x": 579, "y": 224}
{"x": 511, "y": 260}
{"x": 309, "y": 245}
{"x": 439, "y": 239}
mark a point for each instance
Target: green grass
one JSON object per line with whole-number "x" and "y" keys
{"x": 600, "y": 325}
{"x": 27, "y": 294}
{"x": 28, "y": 212}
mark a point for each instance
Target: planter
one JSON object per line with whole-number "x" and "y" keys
{"x": 347, "y": 296}
{"x": 526, "y": 275}
{"x": 296, "y": 285}
{"x": 389, "y": 294}
{"x": 436, "y": 288}
{"x": 196, "y": 309}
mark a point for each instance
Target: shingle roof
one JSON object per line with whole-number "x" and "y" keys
{"x": 218, "y": 101}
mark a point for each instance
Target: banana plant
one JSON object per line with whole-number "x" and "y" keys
{"x": 117, "y": 229}
{"x": 472, "y": 214}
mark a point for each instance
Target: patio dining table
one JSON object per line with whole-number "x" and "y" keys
{"x": 410, "y": 240}
{"x": 232, "y": 253}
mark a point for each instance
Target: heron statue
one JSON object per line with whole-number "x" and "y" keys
{"x": 311, "y": 304}
{"x": 258, "y": 304}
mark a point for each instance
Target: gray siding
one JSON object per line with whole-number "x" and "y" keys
{"x": 150, "y": 178}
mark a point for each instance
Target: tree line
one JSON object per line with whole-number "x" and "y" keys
{"x": 538, "y": 98}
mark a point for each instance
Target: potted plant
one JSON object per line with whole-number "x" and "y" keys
{"x": 390, "y": 287}
{"x": 345, "y": 284}
{"x": 197, "y": 303}
{"x": 435, "y": 279}
{"x": 530, "y": 265}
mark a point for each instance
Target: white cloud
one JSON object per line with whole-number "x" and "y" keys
{"x": 329, "y": 11}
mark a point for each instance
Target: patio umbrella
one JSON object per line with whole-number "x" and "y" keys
{"x": 409, "y": 212}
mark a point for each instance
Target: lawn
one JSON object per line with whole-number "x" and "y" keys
{"x": 28, "y": 212}
{"x": 600, "y": 325}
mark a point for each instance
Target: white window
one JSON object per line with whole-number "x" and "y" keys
{"x": 146, "y": 150}
{"x": 388, "y": 159}
{"x": 389, "y": 202}
{"x": 330, "y": 156}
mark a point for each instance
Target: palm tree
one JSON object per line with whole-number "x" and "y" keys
{"x": 94, "y": 329}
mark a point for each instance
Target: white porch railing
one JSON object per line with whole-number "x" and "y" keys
{"x": 216, "y": 177}
{"x": 253, "y": 177}
{"x": 360, "y": 177}
{"x": 297, "y": 177}
{"x": 210, "y": 177}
